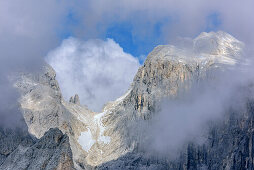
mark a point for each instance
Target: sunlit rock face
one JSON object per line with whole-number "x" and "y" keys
{"x": 170, "y": 70}
{"x": 97, "y": 138}
{"x": 43, "y": 107}
{"x": 40, "y": 95}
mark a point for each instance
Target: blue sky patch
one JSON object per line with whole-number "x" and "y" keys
{"x": 213, "y": 22}
{"x": 130, "y": 34}
{"x": 69, "y": 22}
{"x": 127, "y": 36}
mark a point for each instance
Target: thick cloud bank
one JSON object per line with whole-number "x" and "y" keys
{"x": 177, "y": 17}
{"x": 27, "y": 31}
{"x": 189, "y": 117}
{"x": 99, "y": 71}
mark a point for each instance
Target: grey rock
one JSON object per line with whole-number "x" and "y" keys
{"x": 135, "y": 161}
{"x": 10, "y": 139}
{"x": 75, "y": 99}
{"x": 71, "y": 100}
{"x": 52, "y": 151}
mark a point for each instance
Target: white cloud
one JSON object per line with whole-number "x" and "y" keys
{"x": 99, "y": 71}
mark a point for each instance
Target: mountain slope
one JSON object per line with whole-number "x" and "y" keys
{"x": 98, "y": 138}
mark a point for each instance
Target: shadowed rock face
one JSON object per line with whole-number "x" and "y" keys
{"x": 10, "y": 139}
{"x": 19, "y": 151}
{"x": 102, "y": 140}
{"x": 135, "y": 161}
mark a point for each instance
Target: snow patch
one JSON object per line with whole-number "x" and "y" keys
{"x": 86, "y": 140}
{"x": 123, "y": 96}
{"x": 98, "y": 120}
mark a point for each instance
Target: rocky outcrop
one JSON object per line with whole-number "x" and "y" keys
{"x": 43, "y": 108}
{"x": 52, "y": 151}
{"x": 41, "y": 101}
{"x": 75, "y": 99}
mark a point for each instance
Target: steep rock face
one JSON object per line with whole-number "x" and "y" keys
{"x": 171, "y": 70}
{"x": 43, "y": 108}
{"x": 162, "y": 76}
{"x": 52, "y": 151}
{"x": 168, "y": 72}
{"x": 40, "y": 94}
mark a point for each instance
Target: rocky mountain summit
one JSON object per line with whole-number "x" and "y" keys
{"x": 170, "y": 70}
{"x": 104, "y": 140}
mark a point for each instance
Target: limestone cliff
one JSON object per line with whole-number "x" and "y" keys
{"x": 170, "y": 70}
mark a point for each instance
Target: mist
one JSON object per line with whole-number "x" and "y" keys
{"x": 189, "y": 117}
{"x": 27, "y": 31}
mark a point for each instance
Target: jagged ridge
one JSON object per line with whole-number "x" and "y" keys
{"x": 97, "y": 138}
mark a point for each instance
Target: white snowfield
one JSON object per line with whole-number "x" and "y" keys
{"x": 87, "y": 139}
{"x": 100, "y": 126}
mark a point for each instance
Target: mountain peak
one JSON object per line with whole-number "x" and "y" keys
{"x": 216, "y": 47}
{"x": 218, "y": 43}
